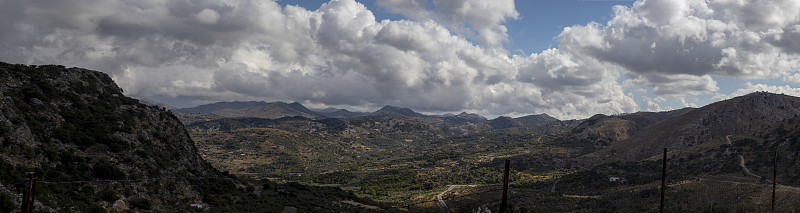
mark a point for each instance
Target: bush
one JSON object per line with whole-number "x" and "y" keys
{"x": 107, "y": 194}
{"x": 104, "y": 169}
{"x": 140, "y": 203}
{"x": 6, "y": 202}
{"x": 96, "y": 209}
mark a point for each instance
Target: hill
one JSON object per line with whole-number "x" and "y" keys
{"x": 253, "y": 109}
{"x": 396, "y": 112}
{"x": 269, "y": 110}
{"x": 339, "y": 113}
{"x": 211, "y": 108}
{"x": 603, "y": 130}
{"x": 706, "y": 126}
{"x": 533, "y": 120}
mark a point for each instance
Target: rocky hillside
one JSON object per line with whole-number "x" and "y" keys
{"x": 96, "y": 150}
{"x": 603, "y": 130}
{"x": 706, "y": 126}
{"x": 91, "y": 145}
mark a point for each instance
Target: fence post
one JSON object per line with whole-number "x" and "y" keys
{"x": 774, "y": 179}
{"x": 505, "y": 188}
{"x": 663, "y": 179}
{"x": 27, "y": 197}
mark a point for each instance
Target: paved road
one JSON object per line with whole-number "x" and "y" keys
{"x": 441, "y": 202}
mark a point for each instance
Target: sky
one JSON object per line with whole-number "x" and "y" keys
{"x": 568, "y": 58}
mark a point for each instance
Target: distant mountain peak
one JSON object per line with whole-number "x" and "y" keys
{"x": 258, "y": 109}
{"x": 465, "y": 115}
{"x": 209, "y": 108}
{"x": 503, "y": 122}
{"x": 389, "y": 110}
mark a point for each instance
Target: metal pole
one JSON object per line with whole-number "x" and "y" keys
{"x": 663, "y": 179}
{"x": 774, "y": 179}
{"x": 27, "y": 197}
{"x": 505, "y": 188}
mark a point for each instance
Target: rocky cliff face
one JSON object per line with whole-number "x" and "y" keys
{"x": 92, "y": 146}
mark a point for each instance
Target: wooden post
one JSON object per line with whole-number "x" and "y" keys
{"x": 27, "y": 197}
{"x": 663, "y": 179}
{"x": 774, "y": 179}
{"x": 505, "y": 188}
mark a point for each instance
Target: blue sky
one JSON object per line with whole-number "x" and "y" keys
{"x": 567, "y": 58}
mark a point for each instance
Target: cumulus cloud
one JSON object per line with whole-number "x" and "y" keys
{"x": 663, "y": 42}
{"x": 338, "y": 55}
{"x": 476, "y": 19}
{"x": 751, "y": 88}
{"x": 652, "y": 104}
{"x": 674, "y": 84}
{"x": 446, "y": 57}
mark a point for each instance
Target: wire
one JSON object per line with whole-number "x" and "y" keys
{"x": 126, "y": 180}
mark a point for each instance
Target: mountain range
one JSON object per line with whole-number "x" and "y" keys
{"x": 709, "y": 141}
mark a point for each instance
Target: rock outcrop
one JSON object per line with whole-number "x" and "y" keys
{"x": 92, "y": 146}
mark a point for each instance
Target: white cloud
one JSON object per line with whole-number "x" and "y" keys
{"x": 685, "y": 103}
{"x": 475, "y": 19}
{"x": 675, "y": 84}
{"x": 751, "y": 88}
{"x": 207, "y": 16}
{"x": 665, "y": 41}
{"x": 651, "y": 104}
{"x": 791, "y": 77}
{"x": 340, "y": 55}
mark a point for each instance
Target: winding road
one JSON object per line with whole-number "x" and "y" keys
{"x": 747, "y": 170}
{"x": 441, "y": 202}
{"x": 741, "y": 158}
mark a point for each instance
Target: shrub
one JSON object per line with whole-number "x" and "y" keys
{"x": 104, "y": 169}
{"x": 140, "y": 203}
{"x": 107, "y": 194}
{"x": 6, "y": 202}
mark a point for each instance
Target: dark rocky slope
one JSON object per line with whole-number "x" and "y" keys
{"x": 92, "y": 146}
